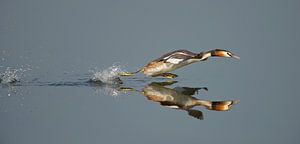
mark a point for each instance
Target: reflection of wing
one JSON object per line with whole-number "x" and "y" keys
{"x": 196, "y": 114}
{"x": 188, "y": 90}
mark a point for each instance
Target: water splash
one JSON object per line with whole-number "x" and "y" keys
{"x": 108, "y": 76}
{"x": 12, "y": 75}
{"x": 107, "y": 90}
{"x": 109, "y": 79}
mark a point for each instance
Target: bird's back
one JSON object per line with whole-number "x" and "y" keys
{"x": 179, "y": 54}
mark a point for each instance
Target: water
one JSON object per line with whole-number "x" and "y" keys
{"x": 134, "y": 96}
{"x": 59, "y": 62}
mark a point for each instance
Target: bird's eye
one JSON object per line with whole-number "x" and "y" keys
{"x": 229, "y": 53}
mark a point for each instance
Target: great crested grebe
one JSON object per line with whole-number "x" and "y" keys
{"x": 177, "y": 59}
{"x": 182, "y": 98}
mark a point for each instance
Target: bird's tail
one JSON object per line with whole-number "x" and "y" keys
{"x": 130, "y": 73}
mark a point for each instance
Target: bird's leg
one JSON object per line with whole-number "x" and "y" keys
{"x": 127, "y": 89}
{"x": 167, "y": 75}
{"x": 124, "y": 73}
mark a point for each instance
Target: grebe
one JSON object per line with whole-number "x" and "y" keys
{"x": 177, "y": 59}
{"x": 182, "y": 98}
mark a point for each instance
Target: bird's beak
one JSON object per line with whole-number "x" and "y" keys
{"x": 235, "y": 56}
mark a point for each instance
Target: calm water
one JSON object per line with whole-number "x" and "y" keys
{"x": 50, "y": 51}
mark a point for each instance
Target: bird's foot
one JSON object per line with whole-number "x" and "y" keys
{"x": 126, "y": 89}
{"x": 125, "y": 74}
{"x": 168, "y": 75}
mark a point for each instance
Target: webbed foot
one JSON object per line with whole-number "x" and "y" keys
{"x": 126, "y": 89}
{"x": 168, "y": 75}
{"x": 125, "y": 74}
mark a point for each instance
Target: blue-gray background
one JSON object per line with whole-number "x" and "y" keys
{"x": 63, "y": 36}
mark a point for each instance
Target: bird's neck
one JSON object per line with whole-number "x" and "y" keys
{"x": 206, "y": 55}
{"x": 203, "y": 56}
{"x": 204, "y": 103}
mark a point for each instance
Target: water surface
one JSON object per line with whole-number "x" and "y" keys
{"x": 50, "y": 50}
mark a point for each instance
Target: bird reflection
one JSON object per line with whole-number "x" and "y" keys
{"x": 182, "y": 98}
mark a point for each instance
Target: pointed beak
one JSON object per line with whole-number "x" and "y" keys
{"x": 235, "y": 56}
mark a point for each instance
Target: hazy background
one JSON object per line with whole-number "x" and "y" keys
{"x": 73, "y": 36}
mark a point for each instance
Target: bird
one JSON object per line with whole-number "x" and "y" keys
{"x": 177, "y": 59}
{"x": 182, "y": 98}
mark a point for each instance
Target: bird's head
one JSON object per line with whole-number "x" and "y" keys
{"x": 223, "y": 53}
